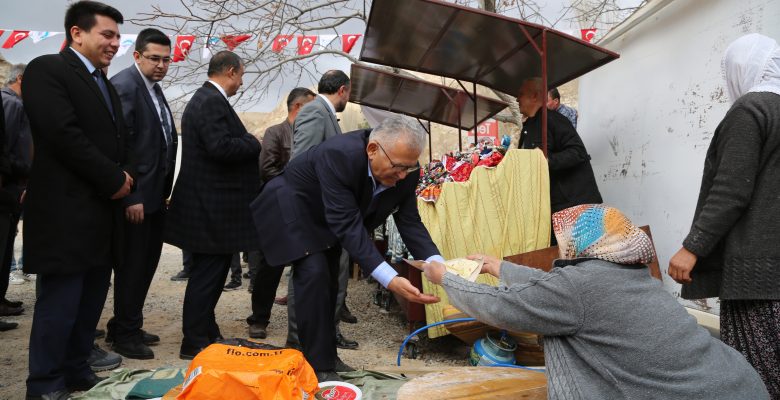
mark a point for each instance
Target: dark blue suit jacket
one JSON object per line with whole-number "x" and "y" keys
{"x": 324, "y": 199}
{"x": 147, "y": 141}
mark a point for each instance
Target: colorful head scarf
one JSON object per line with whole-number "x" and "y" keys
{"x": 603, "y": 232}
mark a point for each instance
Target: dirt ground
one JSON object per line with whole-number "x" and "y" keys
{"x": 379, "y": 332}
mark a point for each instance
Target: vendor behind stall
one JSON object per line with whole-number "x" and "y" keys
{"x": 571, "y": 176}
{"x": 610, "y": 330}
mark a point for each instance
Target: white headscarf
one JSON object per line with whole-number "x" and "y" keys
{"x": 752, "y": 64}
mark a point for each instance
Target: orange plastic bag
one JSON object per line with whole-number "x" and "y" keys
{"x": 224, "y": 371}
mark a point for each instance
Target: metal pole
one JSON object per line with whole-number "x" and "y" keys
{"x": 474, "y": 86}
{"x": 544, "y": 97}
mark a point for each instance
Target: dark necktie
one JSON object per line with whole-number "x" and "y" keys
{"x": 166, "y": 125}
{"x": 101, "y": 82}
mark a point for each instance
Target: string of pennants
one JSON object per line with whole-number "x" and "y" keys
{"x": 183, "y": 43}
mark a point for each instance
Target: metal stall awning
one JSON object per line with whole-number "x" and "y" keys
{"x": 420, "y": 99}
{"x": 473, "y": 45}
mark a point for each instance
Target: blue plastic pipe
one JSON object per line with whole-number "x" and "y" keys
{"x": 450, "y": 321}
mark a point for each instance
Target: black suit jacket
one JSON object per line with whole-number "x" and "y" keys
{"x": 324, "y": 198}
{"x": 571, "y": 176}
{"x": 147, "y": 141}
{"x": 219, "y": 177}
{"x": 70, "y": 222}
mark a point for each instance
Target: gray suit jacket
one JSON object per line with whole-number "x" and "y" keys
{"x": 314, "y": 123}
{"x": 147, "y": 142}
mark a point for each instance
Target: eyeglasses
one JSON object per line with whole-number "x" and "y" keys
{"x": 157, "y": 59}
{"x": 399, "y": 167}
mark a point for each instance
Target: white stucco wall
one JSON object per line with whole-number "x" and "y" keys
{"x": 647, "y": 118}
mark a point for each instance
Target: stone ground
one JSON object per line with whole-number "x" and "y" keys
{"x": 379, "y": 332}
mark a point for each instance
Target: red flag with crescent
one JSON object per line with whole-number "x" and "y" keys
{"x": 16, "y": 37}
{"x": 348, "y": 42}
{"x": 588, "y": 34}
{"x": 183, "y": 45}
{"x": 306, "y": 44}
{"x": 280, "y": 42}
{"x": 232, "y": 41}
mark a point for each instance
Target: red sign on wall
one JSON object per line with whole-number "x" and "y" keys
{"x": 487, "y": 130}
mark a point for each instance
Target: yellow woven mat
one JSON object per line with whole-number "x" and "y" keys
{"x": 500, "y": 212}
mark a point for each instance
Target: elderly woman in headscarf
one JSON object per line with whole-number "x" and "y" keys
{"x": 610, "y": 330}
{"x": 733, "y": 247}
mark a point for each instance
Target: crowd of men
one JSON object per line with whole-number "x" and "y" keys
{"x": 96, "y": 200}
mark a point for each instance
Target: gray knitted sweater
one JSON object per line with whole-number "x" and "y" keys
{"x": 736, "y": 226}
{"x": 610, "y": 332}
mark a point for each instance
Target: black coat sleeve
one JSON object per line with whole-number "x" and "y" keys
{"x": 50, "y": 104}
{"x": 569, "y": 150}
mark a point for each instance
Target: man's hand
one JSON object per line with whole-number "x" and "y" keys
{"x": 490, "y": 265}
{"x": 135, "y": 213}
{"x": 125, "y": 189}
{"x": 403, "y": 287}
{"x": 434, "y": 271}
{"x": 681, "y": 265}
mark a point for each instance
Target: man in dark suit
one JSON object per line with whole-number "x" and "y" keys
{"x": 209, "y": 211}
{"x": 18, "y": 144}
{"x": 7, "y": 307}
{"x": 74, "y": 218}
{"x": 153, "y": 139}
{"x": 331, "y": 197}
{"x": 264, "y": 279}
{"x": 314, "y": 124}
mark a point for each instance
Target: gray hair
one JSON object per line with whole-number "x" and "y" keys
{"x": 14, "y": 72}
{"x": 399, "y": 127}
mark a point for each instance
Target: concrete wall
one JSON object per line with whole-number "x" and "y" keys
{"x": 648, "y": 118}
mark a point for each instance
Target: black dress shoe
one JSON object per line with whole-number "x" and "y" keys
{"x": 341, "y": 366}
{"x": 12, "y": 303}
{"x": 133, "y": 349}
{"x": 344, "y": 343}
{"x": 84, "y": 384}
{"x": 146, "y": 337}
{"x": 346, "y": 315}
{"x": 7, "y": 326}
{"x": 188, "y": 353}
{"x": 326, "y": 376}
{"x": 56, "y": 395}
{"x": 6, "y": 310}
{"x": 181, "y": 276}
{"x": 258, "y": 331}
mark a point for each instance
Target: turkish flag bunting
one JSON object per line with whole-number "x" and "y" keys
{"x": 232, "y": 41}
{"x": 348, "y": 41}
{"x": 16, "y": 37}
{"x": 588, "y": 34}
{"x": 182, "y": 49}
{"x": 1, "y": 32}
{"x": 280, "y": 42}
{"x": 306, "y": 44}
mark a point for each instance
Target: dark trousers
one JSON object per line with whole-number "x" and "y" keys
{"x": 143, "y": 244}
{"x": 235, "y": 268}
{"x": 63, "y": 330}
{"x": 186, "y": 261}
{"x": 315, "y": 278}
{"x": 204, "y": 287}
{"x": 266, "y": 281}
{"x": 8, "y": 223}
